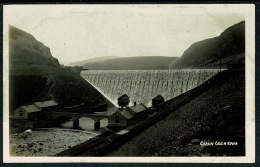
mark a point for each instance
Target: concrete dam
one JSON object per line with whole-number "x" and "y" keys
{"x": 143, "y": 85}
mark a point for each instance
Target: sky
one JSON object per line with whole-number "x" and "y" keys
{"x": 79, "y": 32}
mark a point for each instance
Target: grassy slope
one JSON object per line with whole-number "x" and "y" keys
{"x": 203, "y": 118}
{"x": 92, "y": 60}
{"x": 229, "y": 47}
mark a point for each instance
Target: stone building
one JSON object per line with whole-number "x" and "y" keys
{"x": 127, "y": 116}
{"x": 123, "y": 100}
{"x": 35, "y": 110}
{"x": 157, "y": 100}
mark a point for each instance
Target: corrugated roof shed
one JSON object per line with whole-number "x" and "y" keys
{"x": 31, "y": 108}
{"x": 48, "y": 103}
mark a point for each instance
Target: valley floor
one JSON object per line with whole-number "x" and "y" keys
{"x": 50, "y": 141}
{"x": 46, "y": 142}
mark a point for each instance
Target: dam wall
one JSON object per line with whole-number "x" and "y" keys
{"x": 143, "y": 85}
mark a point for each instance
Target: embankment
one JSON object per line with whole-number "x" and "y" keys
{"x": 212, "y": 113}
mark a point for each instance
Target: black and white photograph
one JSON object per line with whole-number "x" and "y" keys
{"x": 129, "y": 83}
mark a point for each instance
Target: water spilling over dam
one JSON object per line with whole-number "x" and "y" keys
{"x": 143, "y": 85}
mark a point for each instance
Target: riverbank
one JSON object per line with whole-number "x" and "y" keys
{"x": 50, "y": 141}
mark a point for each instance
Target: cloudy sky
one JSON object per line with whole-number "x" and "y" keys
{"x": 78, "y": 32}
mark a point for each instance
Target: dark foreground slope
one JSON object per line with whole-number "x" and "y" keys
{"x": 229, "y": 47}
{"x": 128, "y": 63}
{"x": 216, "y": 115}
{"x": 35, "y": 75}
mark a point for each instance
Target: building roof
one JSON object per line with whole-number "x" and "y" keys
{"x": 124, "y": 96}
{"x": 158, "y": 97}
{"x": 127, "y": 114}
{"x": 138, "y": 108}
{"x": 110, "y": 111}
{"x": 48, "y": 103}
{"x": 31, "y": 108}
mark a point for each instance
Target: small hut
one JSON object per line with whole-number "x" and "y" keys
{"x": 27, "y": 112}
{"x": 35, "y": 110}
{"x": 123, "y": 101}
{"x": 157, "y": 100}
{"x": 127, "y": 116}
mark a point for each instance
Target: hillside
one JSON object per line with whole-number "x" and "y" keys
{"x": 229, "y": 47}
{"x": 36, "y": 75}
{"x": 25, "y": 50}
{"x": 215, "y": 115}
{"x": 127, "y": 63}
{"x": 92, "y": 60}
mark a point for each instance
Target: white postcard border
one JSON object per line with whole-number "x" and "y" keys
{"x": 248, "y": 10}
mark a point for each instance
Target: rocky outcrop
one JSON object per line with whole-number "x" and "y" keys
{"x": 229, "y": 47}
{"x": 24, "y": 49}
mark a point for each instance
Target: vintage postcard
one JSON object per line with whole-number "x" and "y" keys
{"x": 161, "y": 83}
